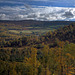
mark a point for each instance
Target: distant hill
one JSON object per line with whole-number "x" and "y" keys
{"x": 37, "y": 23}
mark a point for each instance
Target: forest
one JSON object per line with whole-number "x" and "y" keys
{"x": 46, "y": 53}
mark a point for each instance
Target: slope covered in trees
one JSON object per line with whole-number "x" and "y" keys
{"x": 66, "y": 33}
{"x": 50, "y": 54}
{"x": 63, "y": 34}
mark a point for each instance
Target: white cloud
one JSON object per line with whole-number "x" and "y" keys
{"x": 2, "y": 16}
{"x": 37, "y": 13}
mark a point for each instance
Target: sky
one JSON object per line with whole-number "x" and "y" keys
{"x": 43, "y": 10}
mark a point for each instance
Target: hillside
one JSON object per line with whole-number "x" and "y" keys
{"x": 63, "y": 34}
{"x": 52, "y": 53}
{"x": 67, "y": 33}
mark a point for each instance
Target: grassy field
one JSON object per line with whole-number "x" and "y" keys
{"x": 12, "y": 30}
{"x": 28, "y": 31}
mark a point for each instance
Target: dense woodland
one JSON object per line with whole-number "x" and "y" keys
{"x": 52, "y": 53}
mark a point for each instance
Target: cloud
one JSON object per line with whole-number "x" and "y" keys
{"x": 68, "y": 14}
{"x": 57, "y": 1}
{"x": 27, "y": 6}
{"x": 44, "y": 13}
{"x": 2, "y": 16}
{"x": 32, "y": 16}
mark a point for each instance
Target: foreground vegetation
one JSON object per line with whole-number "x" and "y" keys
{"x": 50, "y": 54}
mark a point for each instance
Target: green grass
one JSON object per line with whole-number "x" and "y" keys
{"x": 28, "y": 27}
{"x": 28, "y": 31}
{"x": 14, "y": 31}
{"x": 32, "y": 30}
